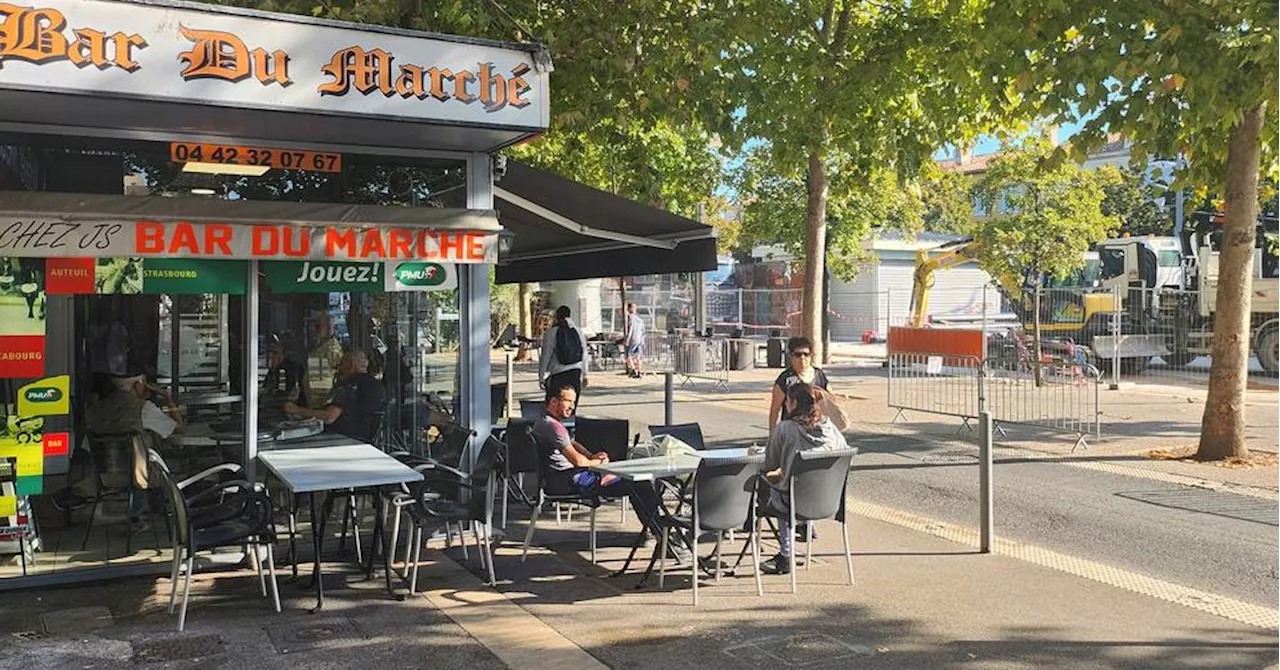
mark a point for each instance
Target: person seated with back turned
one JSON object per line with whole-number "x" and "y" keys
{"x": 804, "y": 429}
{"x": 569, "y": 462}
{"x": 356, "y": 401}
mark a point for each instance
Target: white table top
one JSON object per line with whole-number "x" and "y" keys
{"x": 351, "y": 465}
{"x": 660, "y": 467}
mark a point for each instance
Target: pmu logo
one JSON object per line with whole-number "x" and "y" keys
{"x": 39, "y": 35}
{"x": 43, "y": 394}
{"x": 421, "y": 274}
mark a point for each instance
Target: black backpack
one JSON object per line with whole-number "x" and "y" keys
{"x": 568, "y": 345}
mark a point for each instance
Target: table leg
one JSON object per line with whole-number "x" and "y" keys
{"x": 293, "y": 534}
{"x": 386, "y": 554}
{"x": 317, "y": 541}
{"x": 635, "y": 547}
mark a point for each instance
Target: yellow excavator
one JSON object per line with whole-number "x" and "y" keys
{"x": 1083, "y": 318}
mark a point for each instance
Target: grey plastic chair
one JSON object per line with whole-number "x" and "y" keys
{"x": 723, "y": 492}
{"x": 818, "y": 480}
{"x": 689, "y": 433}
{"x": 532, "y": 410}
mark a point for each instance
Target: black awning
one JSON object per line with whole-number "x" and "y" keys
{"x": 597, "y": 234}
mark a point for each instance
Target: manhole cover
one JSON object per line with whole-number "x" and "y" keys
{"x": 801, "y": 651}
{"x": 177, "y": 648}
{"x": 293, "y": 638}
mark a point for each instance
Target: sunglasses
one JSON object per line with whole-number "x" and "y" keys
{"x": 801, "y": 354}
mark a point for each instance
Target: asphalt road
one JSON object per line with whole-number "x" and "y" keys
{"x": 1219, "y": 542}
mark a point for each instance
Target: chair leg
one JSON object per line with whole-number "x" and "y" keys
{"x": 558, "y": 521}
{"x": 719, "y": 541}
{"x": 755, "y": 556}
{"x": 462, "y": 539}
{"x": 346, "y": 517}
{"x": 662, "y": 559}
{"x": 593, "y": 536}
{"x": 93, "y": 512}
{"x": 252, "y": 550}
{"x": 395, "y": 536}
{"x": 792, "y": 558}
{"x": 528, "y": 535}
{"x": 488, "y": 549}
{"x": 173, "y": 580}
{"x": 416, "y": 534}
{"x": 271, "y": 572}
{"x": 475, "y": 535}
{"x": 848, "y": 555}
{"x": 808, "y": 545}
{"x": 353, "y": 509}
{"x": 408, "y": 548}
{"x": 186, "y": 594}
{"x": 622, "y": 509}
{"x": 128, "y": 538}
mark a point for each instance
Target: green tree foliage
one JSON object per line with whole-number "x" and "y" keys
{"x": 1130, "y": 198}
{"x": 1044, "y": 215}
{"x": 1175, "y": 77}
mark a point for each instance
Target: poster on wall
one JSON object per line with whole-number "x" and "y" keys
{"x": 135, "y": 276}
{"x": 22, "y": 317}
{"x": 342, "y": 277}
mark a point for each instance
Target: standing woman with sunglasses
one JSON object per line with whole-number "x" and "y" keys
{"x": 800, "y": 370}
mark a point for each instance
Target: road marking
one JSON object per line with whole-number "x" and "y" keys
{"x": 1228, "y": 608}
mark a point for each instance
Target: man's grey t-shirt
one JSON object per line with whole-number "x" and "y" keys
{"x": 635, "y": 330}
{"x": 552, "y": 433}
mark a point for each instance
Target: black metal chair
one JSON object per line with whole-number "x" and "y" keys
{"x": 592, "y": 503}
{"x": 689, "y": 433}
{"x": 723, "y": 492}
{"x": 113, "y": 457}
{"x": 532, "y": 410}
{"x": 816, "y": 483}
{"x": 607, "y": 435}
{"x": 472, "y": 503}
{"x": 497, "y": 401}
{"x": 251, "y": 525}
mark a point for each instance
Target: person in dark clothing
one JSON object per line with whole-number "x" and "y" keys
{"x": 357, "y": 399}
{"x": 284, "y": 375}
{"x": 801, "y": 370}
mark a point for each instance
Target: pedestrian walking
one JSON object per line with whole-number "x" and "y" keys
{"x": 564, "y": 355}
{"x": 633, "y": 342}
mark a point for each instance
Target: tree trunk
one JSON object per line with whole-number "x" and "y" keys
{"x": 524, "y": 311}
{"x": 815, "y": 242}
{"x": 1222, "y": 428}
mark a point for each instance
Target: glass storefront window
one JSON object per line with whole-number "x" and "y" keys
{"x": 176, "y": 355}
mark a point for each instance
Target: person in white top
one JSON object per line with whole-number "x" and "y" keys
{"x": 564, "y": 355}
{"x": 633, "y": 342}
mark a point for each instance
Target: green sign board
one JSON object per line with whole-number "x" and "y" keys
{"x": 185, "y": 276}
{"x": 421, "y": 276}
{"x": 323, "y": 277}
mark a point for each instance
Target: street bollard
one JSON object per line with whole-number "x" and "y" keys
{"x": 668, "y": 399}
{"x": 986, "y": 511}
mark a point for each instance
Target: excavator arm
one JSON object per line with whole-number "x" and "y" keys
{"x": 930, "y": 261}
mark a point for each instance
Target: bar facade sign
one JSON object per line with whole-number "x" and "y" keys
{"x": 156, "y": 52}
{"x": 38, "y": 237}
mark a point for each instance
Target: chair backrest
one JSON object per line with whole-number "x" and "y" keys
{"x": 607, "y": 435}
{"x": 532, "y": 410}
{"x": 818, "y": 480}
{"x": 497, "y": 401}
{"x": 723, "y": 491}
{"x": 177, "y": 503}
{"x": 689, "y": 433}
{"x": 453, "y": 444}
{"x": 112, "y": 453}
{"x": 485, "y": 460}
{"x": 522, "y": 453}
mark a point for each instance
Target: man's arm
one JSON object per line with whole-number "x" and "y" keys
{"x": 328, "y": 415}
{"x": 544, "y": 356}
{"x": 586, "y": 355}
{"x": 578, "y": 455}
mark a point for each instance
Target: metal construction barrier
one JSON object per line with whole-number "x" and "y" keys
{"x": 952, "y": 380}
{"x": 701, "y": 358}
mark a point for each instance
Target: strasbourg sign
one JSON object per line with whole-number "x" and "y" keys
{"x": 208, "y": 57}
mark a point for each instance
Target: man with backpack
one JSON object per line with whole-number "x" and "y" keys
{"x": 564, "y": 355}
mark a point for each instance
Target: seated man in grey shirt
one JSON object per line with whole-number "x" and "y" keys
{"x": 569, "y": 462}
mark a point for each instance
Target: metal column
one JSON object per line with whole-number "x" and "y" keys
{"x": 249, "y": 358}
{"x": 473, "y": 299}
{"x": 986, "y": 521}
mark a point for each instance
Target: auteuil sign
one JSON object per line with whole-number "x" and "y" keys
{"x": 157, "y": 52}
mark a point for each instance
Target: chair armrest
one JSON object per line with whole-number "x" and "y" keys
{"x": 229, "y": 486}
{"x": 209, "y": 472}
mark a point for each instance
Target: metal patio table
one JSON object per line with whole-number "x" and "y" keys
{"x": 349, "y": 464}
